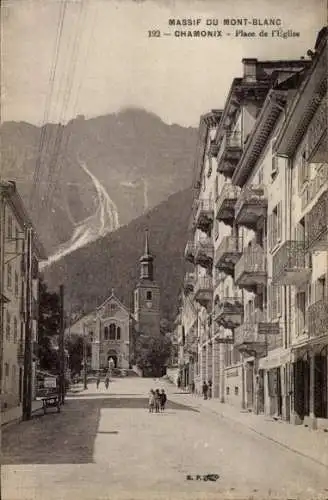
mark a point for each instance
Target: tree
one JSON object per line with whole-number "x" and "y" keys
{"x": 74, "y": 346}
{"x": 152, "y": 353}
{"x": 48, "y": 327}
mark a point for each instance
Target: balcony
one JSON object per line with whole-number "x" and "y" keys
{"x": 318, "y": 318}
{"x": 317, "y": 223}
{"x": 251, "y": 270}
{"x": 204, "y": 215}
{"x": 204, "y": 250}
{"x": 229, "y": 312}
{"x": 204, "y": 290}
{"x": 251, "y": 206}
{"x": 188, "y": 283}
{"x": 231, "y": 151}
{"x": 190, "y": 252}
{"x": 289, "y": 266}
{"x": 225, "y": 203}
{"x": 251, "y": 336}
{"x": 221, "y": 336}
{"x": 227, "y": 254}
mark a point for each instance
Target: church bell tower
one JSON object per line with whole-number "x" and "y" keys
{"x": 147, "y": 295}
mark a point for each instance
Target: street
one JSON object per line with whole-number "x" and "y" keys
{"x": 105, "y": 444}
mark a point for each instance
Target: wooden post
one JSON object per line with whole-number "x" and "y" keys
{"x": 61, "y": 348}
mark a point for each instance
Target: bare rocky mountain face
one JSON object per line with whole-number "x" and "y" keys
{"x": 95, "y": 175}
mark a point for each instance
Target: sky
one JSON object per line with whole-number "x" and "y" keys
{"x": 104, "y": 60}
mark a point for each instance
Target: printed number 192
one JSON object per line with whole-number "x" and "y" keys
{"x": 154, "y": 34}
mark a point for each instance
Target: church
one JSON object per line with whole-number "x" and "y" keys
{"x": 112, "y": 327}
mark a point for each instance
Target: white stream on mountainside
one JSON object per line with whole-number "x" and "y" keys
{"x": 103, "y": 221}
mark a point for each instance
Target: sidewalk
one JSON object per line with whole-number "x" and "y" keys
{"x": 302, "y": 440}
{"x": 15, "y": 414}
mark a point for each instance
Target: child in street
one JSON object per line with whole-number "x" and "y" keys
{"x": 151, "y": 401}
{"x": 163, "y": 400}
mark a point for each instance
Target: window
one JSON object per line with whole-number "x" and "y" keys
{"x": 9, "y": 275}
{"x": 275, "y": 301}
{"x": 301, "y": 312}
{"x": 275, "y": 226}
{"x": 112, "y": 331}
{"x": 106, "y": 335}
{"x": 7, "y": 369}
{"x": 149, "y": 295}
{"x": 236, "y": 390}
{"x": 15, "y": 330}
{"x": 91, "y": 336}
{"x": 8, "y": 321}
{"x": 10, "y": 227}
{"x": 16, "y": 284}
{"x": 118, "y": 333}
{"x": 320, "y": 288}
{"x": 303, "y": 170}
{"x": 300, "y": 231}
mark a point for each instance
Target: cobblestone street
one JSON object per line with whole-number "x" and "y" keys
{"x": 106, "y": 445}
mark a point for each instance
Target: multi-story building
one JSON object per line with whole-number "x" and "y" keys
{"x": 300, "y": 264}
{"x": 20, "y": 254}
{"x": 260, "y": 239}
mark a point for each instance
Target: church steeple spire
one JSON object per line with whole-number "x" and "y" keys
{"x": 146, "y": 262}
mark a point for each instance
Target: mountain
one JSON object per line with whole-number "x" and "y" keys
{"x": 137, "y": 158}
{"x": 90, "y": 273}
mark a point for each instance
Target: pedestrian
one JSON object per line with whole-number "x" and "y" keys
{"x": 107, "y": 381}
{"x": 163, "y": 400}
{"x": 98, "y": 381}
{"x": 157, "y": 400}
{"x": 205, "y": 389}
{"x": 151, "y": 402}
{"x": 210, "y": 389}
{"x": 179, "y": 382}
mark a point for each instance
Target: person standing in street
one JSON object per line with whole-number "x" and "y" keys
{"x": 107, "y": 381}
{"x": 157, "y": 400}
{"x": 163, "y": 400}
{"x": 205, "y": 389}
{"x": 151, "y": 401}
{"x": 98, "y": 381}
{"x": 210, "y": 389}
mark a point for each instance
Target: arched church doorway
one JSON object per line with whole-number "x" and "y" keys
{"x": 112, "y": 355}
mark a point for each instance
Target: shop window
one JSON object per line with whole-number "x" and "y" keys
{"x": 236, "y": 390}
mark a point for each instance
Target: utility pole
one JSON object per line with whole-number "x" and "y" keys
{"x": 61, "y": 348}
{"x": 27, "y": 382}
{"x": 85, "y": 360}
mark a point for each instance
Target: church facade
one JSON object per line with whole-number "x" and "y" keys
{"x": 112, "y": 328}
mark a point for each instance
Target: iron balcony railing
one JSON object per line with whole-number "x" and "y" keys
{"x": 251, "y": 201}
{"x": 318, "y": 318}
{"x": 204, "y": 283}
{"x": 317, "y": 223}
{"x": 252, "y": 262}
{"x": 204, "y": 250}
{"x": 229, "y": 311}
{"x": 190, "y": 251}
{"x": 255, "y": 328}
{"x": 226, "y": 200}
{"x": 312, "y": 189}
{"x": 229, "y": 246}
{"x": 289, "y": 263}
{"x": 189, "y": 281}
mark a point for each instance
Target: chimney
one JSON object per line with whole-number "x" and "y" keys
{"x": 249, "y": 69}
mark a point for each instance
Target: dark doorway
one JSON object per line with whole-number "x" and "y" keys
{"x": 302, "y": 388}
{"x": 114, "y": 358}
{"x": 320, "y": 386}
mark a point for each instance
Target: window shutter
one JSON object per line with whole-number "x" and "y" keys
{"x": 279, "y": 221}
{"x": 270, "y": 231}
